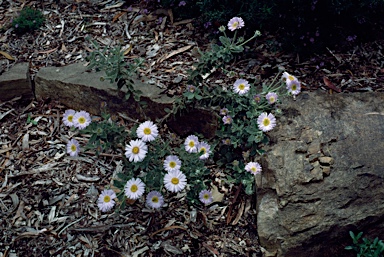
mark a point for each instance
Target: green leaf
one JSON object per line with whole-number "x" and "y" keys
{"x": 92, "y": 139}
{"x": 225, "y": 41}
{"x": 237, "y": 49}
{"x": 249, "y": 189}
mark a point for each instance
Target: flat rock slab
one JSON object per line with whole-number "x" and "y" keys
{"x": 15, "y": 82}
{"x": 323, "y": 175}
{"x": 79, "y": 89}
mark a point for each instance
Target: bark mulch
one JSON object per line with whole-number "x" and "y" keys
{"x": 48, "y": 199}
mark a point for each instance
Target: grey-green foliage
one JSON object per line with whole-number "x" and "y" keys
{"x": 217, "y": 57}
{"x": 111, "y": 61}
{"x": 105, "y": 134}
{"x": 366, "y": 248}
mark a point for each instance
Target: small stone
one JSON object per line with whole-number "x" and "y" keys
{"x": 15, "y": 82}
{"x": 303, "y": 148}
{"x": 326, "y": 170}
{"x": 314, "y": 148}
{"x": 316, "y": 164}
{"x": 317, "y": 174}
{"x": 313, "y": 157}
{"x": 326, "y": 161}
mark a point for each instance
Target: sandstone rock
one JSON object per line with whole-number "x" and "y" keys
{"x": 80, "y": 89}
{"x": 307, "y": 202}
{"x": 15, "y": 82}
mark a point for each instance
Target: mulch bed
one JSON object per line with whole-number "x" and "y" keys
{"x": 48, "y": 199}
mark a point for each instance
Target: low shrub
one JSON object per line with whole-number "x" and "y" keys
{"x": 366, "y": 247}
{"x": 28, "y": 20}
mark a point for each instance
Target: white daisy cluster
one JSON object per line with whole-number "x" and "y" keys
{"x": 293, "y": 84}
{"x": 174, "y": 180}
{"x": 79, "y": 120}
{"x": 137, "y": 149}
{"x": 192, "y": 145}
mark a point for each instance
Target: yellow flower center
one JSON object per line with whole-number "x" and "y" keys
{"x": 294, "y": 87}
{"x": 235, "y": 24}
{"x": 175, "y": 181}
{"x": 135, "y": 150}
{"x": 70, "y": 118}
{"x": 266, "y": 122}
{"x": 134, "y": 188}
{"x": 155, "y": 199}
{"x": 172, "y": 164}
{"x": 73, "y": 148}
{"x": 191, "y": 144}
{"x": 206, "y": 196}
{"x": 203, "y": 150}
{"x": 81, "y": 120}
{"x": 147, "y": 131}
{"x": 241, "y": 86}
{"x": 272, "y": 99}
{"x": 107, "y": 199}
{"x": 290, "y": 77}
{"x": 253, "y": 169}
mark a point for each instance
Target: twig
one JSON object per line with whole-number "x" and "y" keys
{"x": 337, "y": 58}
{"x": 70, "y": 224}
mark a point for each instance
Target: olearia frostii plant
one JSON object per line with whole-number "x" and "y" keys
{"x": 154, "y": 168}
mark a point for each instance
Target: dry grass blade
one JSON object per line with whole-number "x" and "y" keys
{"x": 166, "y": 228}
{"x": 173, "y": 53}
{"x": 6, "y": 55}
{"x": 2, "y": 115}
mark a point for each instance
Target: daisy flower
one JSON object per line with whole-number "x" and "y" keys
{"x": 73, "y": 147}
{"x": 191, "y": 144}
{"x": 105, "y": 201}
{"x": 266, "y": 122}
{"x": 235, "y": 23}
{"x": 241, "y": 86}
{"x": 288, "y": 77}
{"x": 227, "y": 119}
{"x": 171, "y": 163}
{"x": 134, "y": 188}
{"x": 294, "y": 87}
{"x": 253, "y": 167}
{"x": 154, "y": 200}
{"x": 257, "y": 98}
{"x": 191, "y": 88}
{"x": 271, "y": 97}
{"x": 68, "y": 117}
{"x": 81, "y": 119}
{"x": 136, "y": 150}
{"x": 224, "y": 111}
{"x": 175, "y": 181}
{"x": 226, "y": 141}
{"x": 204, "y": 149}
{"x": 147, "y": 131}
{"x": 205, "y": 197}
